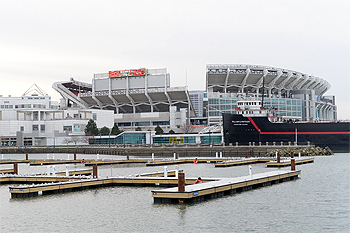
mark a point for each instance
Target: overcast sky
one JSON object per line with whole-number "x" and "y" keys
{"x": 47, "y": 41}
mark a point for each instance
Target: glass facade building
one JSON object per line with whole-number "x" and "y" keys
{"x": 284, "y": 107}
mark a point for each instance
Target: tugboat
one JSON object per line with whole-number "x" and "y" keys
{"x": 254, "y": 123}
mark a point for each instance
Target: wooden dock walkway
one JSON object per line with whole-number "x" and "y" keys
{"x": 285, "y": 163}
{"x": 61, "y": 185}
{"x": 14, "y": 161}
{"x": 185, "y": 160}
{"x": 221, "y": 187}
{"x": 240, "y": 162}
{"x": 7, "y": 171}
{"x": 113, "y": 161}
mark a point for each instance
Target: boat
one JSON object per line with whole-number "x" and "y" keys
{"x": 255, "y": 124}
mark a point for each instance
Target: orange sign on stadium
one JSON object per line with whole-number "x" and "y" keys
{"x": 125, "y": 73}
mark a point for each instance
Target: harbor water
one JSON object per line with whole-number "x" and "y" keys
{"x": 319, "y": 201}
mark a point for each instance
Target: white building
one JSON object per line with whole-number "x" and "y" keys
{"x": 35, "y": 120}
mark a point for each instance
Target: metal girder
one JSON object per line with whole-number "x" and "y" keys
{"x": 97, "y": 100}
{"x": 290, "y": 86}
{"x": 151, "y": 102}
{"x": 272, "y": 83}
{"x": 245, "y": 80}
{"x": 226, "y": 79}
{"x": 300, "y": 85}
{"x": 258, "y": 84}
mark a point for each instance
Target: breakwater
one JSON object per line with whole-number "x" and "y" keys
{"x": 164, "y": 150}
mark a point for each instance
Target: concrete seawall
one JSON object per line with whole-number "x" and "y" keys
{"x": 159, "y": 151}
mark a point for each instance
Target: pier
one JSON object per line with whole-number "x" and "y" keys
{"x": 186, "y": 160}
{"x": 221, "y": 187}
{"x": 285, "y": 163}
{"x": 240, "y": 162}
{"x": 67, "y": 184}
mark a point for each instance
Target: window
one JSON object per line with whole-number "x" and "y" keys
{"x": 42, "y": 128}
{"x": 94, "y": 116}
{"x": 67, "y": 128}
{"x": 22, "y": 128}
{"x": 35, "y": 127}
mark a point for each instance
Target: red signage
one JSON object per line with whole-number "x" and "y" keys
{"x": 125, "y": 73}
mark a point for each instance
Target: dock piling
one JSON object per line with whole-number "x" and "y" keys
{"x": 292, "y": 162}
{"x": 176, "y": 171}
{"x": 165, "y": 171}
{"x": 181, "y": 185}
{"x": 75, "y": 156}
{"x": 278, "y": 158}
{"x": 94, "y": 171}
{"x": 246, "y": 155}
{"x": 67, "y": 170}
{"x": 250, "y": 172}
{"x": 26, "y": 156}
{"x": 15, "y": 168}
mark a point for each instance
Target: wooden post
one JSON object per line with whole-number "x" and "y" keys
{"x": 278, "y": 158}
{"x": 26, "y": 156}
{"x": 246, "y": 155}
{"x": 292, "y": 161}
{"x": 15, "y": 168}
{"x": 94, "y": 171}
{"x": 181, "y": 184}
{"x": 75, "y": 156}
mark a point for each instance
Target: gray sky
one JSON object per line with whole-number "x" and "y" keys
{"x": 46, "y": 41}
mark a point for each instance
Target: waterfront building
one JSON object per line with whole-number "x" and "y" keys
{"x": 294, "y": 95}
{"x": 35, "y": 120}
{"x": 139, "y": 98}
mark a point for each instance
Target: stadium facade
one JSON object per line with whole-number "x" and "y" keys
{"x": 294, "y": 95}
{"x": 139, "y": 98}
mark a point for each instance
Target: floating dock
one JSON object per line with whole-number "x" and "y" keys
{"x": 114, "y": 161}
{"x": 66, "y": 184}
{"x": 240, "y": 162}
{"x": 285, "y": 163}
{"x": 221, "y": 187}
{"x": 7, "y": 171}
{"x": 188, "y": 160}
{"x": 14, "y": 161}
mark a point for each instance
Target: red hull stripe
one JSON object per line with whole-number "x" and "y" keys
{"x": 257, "y": 128}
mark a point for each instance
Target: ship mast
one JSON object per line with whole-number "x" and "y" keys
{"x": 263, "y": 93}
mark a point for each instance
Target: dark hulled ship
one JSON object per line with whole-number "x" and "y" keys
{"x": 256, "y": 125}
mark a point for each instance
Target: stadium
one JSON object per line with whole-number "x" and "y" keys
{"x": 143, "y": 97}
{"x": 138, "y": 97}
{"x": 292, "y": 94}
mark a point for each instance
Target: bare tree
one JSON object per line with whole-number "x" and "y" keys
{"x": 87, "y": 139}
{"x": 66, "y": 141}
{"x": 186, "y": 128}
{"x": 75, "y": 139}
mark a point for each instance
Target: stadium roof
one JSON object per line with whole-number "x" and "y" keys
{"x": 238, "y": 78}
